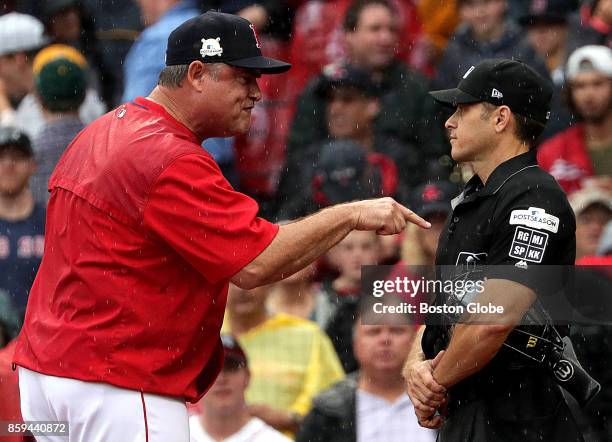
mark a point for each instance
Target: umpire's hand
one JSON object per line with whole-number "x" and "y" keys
{"x": 384, "y": 215}
{"x": 426, "y": 394}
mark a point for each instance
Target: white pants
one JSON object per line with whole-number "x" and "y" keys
{"x": 98, "y": 412}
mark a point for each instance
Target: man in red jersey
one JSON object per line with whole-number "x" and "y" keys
{"x": 143, "y": 236}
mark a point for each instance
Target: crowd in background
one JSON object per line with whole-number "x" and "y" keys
{"x": 351, "y": 120}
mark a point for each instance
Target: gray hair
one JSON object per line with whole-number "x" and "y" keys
{"x": 173, "y": 76}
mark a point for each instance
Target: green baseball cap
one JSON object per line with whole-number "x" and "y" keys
{"x": 61, "y": 85}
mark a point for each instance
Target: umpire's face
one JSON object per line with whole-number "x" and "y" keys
{"x": 470, "y": 130}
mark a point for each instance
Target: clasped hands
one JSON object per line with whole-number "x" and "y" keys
{"x": 428, "y": 397}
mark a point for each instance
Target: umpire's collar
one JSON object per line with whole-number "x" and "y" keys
{"x": 501, "y": 174}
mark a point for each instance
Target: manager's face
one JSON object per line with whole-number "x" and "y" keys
{"x": 229, "y": 95}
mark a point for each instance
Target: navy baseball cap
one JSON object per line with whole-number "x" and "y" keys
{"x": 547, "y": 12}
{"x": 343, "y": 75}
{"x": 434, "y": 197}
{"x": 502, "y": 82}
{"x": 234, "y": 355}
{"x": 13, "y": 138}
{"x": 215, "y": 37}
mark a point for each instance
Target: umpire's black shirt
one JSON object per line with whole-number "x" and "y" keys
{"x": 519, "y": 219}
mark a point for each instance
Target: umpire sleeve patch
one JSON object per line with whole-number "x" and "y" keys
{"x": 536, "y": 218}
{"x": 528, "y": 244}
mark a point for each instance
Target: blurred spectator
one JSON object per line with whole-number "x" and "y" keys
{"x": 593, "y": 209}
{"x": 318, "y": 37}
{"x": 343, "y": 172}
{"x": 593, "y": 24}
{"x": 604, "y": 248}
{"x": 22, "y": 221}
{"x": 371, "y": 36}
{"x": 295, "y": 295}
{"x": 369, "y": 405}
{"x": 484, "y": 33}
{"x": 291, "y": 360}
{"x": 351, "y": 106}
{"x": 439, "y": 20}
{"x": 546, "y": 23}
{"x": 60, "y": 89}
{"x": 10, "y": 321}
{"x": 584, "y": 151}
{"x": 271, "y": 17}
{"x": 431, "y": 201}
{"x": 116, "y": 27}
{"x": 21, "y": 37}
{"x": 338, "y": 301}
{"x": 224, "y": 413}
{"x": 147, "y": 55}
{"x": 67, "y": 22}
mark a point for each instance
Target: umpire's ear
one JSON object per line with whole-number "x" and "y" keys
{"x": 502, "y": 116}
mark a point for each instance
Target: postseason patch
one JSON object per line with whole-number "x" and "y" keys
{"x": 536, "y": 218}
{"x": 528, "y": 244}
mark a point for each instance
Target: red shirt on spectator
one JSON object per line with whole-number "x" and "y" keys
{"x": 565, "y": 156}
{"x": 143, "y": 235}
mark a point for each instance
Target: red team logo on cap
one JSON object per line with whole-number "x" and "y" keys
{"x": 431, "y": 193}
{"x": 256, "y": 37}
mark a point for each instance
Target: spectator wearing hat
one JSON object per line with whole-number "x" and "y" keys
{"x": 22, "y": 220}
{"x": 21, "y": 37}
{"x": 583, "y": 153}
{"x": 146, "y": 57}
{"x": 224, "y": 411}
{"x": 484, "y": 33}
{"x": 370, "y": 33}
{"x": 352, "y": 104}
{"x": 548, "y": 32}
{"x": 369, "y": 405}
{"x": 60, "y": 89}
{"x": 340, "y": 171}
{"x": 69, "y": 22}
{"x": 432, "y": 201}
{"x": 592, "y": 24}
{"x": 593, "y": 209}
{"x": 291, "y": 359}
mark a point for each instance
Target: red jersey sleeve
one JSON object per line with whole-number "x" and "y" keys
{"x": 194, "y": 209}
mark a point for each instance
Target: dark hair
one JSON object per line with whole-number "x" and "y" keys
{"x": 527, "y": 129}
{"x": 353, "y": 13}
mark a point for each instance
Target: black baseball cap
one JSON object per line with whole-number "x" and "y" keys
{"x": 434, "y": 197}
{"x": 343, "y": 174}
{"x": 344, "y": 75}
{"x": 12, "y": 138}
{"x": 502, "y": 82}
{"x": 548, "y": 12}
{"x": 215, "y": 37}
{"x": 234, "y": 355}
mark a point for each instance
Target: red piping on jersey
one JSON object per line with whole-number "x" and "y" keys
{"x": 144, "y": 410}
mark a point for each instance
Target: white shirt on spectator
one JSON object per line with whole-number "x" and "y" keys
{"x": 254, "y": 431}
{"x": 381, "y": 420}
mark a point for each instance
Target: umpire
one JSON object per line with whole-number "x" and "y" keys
{"x": 513, "y": 216}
